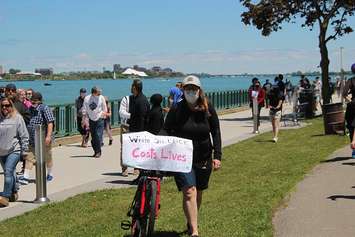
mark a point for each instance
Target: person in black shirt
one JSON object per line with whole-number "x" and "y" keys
{"x": 350, "y": 108}
{"x": 281, "y": 84}
{"x": 275, "y": 104}
{"x": 83, "y": 127}
{"x": 155, "y": 118}
{"x": 138, "y": 107}
{"x": 195, "y": 118}
{"x": 267, "y": 87}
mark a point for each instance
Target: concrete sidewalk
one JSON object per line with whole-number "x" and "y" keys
{"x": 75, "y": 171}
{"x": 323, "y": 204}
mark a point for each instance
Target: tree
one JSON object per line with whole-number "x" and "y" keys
{"x": 14, "y": 71}
{"x": 269, "y": 15}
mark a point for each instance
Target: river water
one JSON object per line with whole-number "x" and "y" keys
{"x": 65, "y": 91}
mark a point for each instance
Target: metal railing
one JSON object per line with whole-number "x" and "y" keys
{"x": 65, "y": 115}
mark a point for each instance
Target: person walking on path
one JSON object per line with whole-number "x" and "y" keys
{"x": 11, "y": 93}
{"x": 95, "y": 111}
{"x": 13, "y": 144}
{"x": 289, "y": 90}
{"x": 138, "y": 108}
{"x": 41, "y": 114}
{"x": 258, "y": 92}
{"x": 124, "y": 116}
{"x": 175, "y": 96}
{"x": 107, "y": 120}
{"x": 83, "y": 126}
{"x": 21, "y": 93}
{"x": 350, "y": 108}
{"x": 195, "y": 118}
{"x": 276, "y": 99}
{"x": 267, "y": 88}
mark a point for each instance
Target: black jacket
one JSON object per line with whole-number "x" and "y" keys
{"x": 21, "y": 108}
{"x": 138, "y": 108}
{"x": 181, "y": 121}
{"x": 155, "y": 120}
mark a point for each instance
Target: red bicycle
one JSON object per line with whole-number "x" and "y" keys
{"x": 145, "y": 206}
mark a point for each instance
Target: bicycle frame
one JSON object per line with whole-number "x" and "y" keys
{"x": 141, "y": 210}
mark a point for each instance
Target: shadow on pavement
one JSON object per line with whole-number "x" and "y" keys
{"x": 113, "y": 174}
{"x": 74, "y": 145}
{"x": 81, "y": 156}
{"x": 336, "y": 159}
{"x": 349, "y": 163}
{"x": 24, "y": 201}
{"x": 335, "y": 197}
{"x": 245, "y": 119}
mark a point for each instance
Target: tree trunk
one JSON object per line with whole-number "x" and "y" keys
{"x": 324, "y": 64}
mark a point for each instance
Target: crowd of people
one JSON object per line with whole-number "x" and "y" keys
{"x": 21, "y": 111}
{"x": 305, "y": 98}
{"x": 189, "y": 115}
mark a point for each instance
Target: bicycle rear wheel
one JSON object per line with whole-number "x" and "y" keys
{"x": 152, "y": 202}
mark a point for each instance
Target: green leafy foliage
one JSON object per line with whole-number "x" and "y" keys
{"x": 269, "y": 15}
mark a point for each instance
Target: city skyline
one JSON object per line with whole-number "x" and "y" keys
{"x": 196, "y": 36}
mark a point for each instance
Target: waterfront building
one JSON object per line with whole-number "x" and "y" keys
{"x": 138, "y": 68}
{"x": 117, "y": 68}
{"x": 156, "y": 69}
{"x": 168, "y": 70}
{"x": 2, "y": 71}
{"x": 44, "y": 71}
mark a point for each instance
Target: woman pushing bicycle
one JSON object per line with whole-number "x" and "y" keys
{"x": 195, "y": 118}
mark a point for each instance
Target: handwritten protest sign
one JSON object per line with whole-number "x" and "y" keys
{"x": 144, "y": 150}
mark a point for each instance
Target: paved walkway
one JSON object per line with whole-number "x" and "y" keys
{"x": 75, "y": 171}
{"x": 323, "y": 204}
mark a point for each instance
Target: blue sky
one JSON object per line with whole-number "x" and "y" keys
{"x": 187, "y": 35}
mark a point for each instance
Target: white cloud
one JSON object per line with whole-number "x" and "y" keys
{"x": 82, "y": 56}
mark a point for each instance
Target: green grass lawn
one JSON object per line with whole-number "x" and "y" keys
{"x": 255, "y": 177}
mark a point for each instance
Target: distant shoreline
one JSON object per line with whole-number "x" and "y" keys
{"x": 202, "y": 75}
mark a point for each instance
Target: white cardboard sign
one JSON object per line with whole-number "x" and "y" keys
{"x": 144, "y": 150}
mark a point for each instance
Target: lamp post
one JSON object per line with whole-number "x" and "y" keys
{"x": 341, "y": 60}
{"x": 342, "y": 82}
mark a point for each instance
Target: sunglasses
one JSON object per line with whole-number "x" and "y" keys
{"x": 6, "y": 106}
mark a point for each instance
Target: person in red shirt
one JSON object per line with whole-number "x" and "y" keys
{"x": 255, "y": 90}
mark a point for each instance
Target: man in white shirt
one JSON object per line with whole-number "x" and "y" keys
{"x": 95, "y": 109}
{"x": 124, "y": 115}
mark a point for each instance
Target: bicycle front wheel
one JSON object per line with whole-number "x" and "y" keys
{"x": 139, "y": 228}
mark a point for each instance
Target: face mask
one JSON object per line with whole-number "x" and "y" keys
{"x": 191, "y": 96}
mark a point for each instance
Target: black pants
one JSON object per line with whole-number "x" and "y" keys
{"x": 350, "y": 118}
{"x": 258, "y": 114}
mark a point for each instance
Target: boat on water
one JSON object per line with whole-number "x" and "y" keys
{"x": 47, "y": 84}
